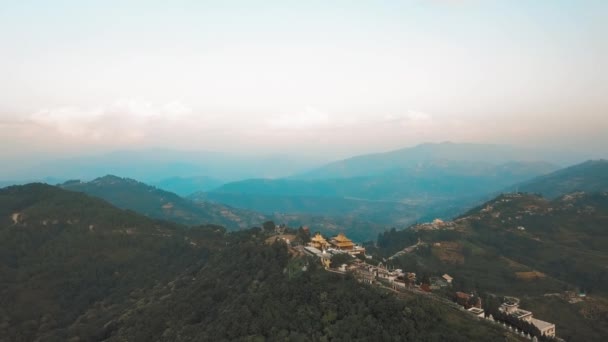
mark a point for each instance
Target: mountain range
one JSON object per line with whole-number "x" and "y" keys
{"x": 156, "y": 165}
{"x": 411, "y": 157}
{"x": 395, "y": 188}
{"x": 372, "y": 192}
{"x": 72, "y": 265}
{"x": 155, "y": 203}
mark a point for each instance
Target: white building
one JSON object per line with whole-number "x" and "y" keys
{"x": 511, "y": 307}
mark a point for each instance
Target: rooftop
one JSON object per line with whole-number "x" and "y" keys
{"x": 521, "y": 313}
{"x": 318, "y": 238}
{"x": 342, "y": 238}
{"x": 462, "y": 295}
{"x": 542, "y": 325}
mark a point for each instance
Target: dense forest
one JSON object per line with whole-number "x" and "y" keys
{"x": 150, "y": 201}
{"x": 76, "y": 268}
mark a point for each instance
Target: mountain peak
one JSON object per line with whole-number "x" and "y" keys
{"x": 113, "y": 180}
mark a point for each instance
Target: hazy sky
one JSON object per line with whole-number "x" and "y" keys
{"x": 327, "y": 77}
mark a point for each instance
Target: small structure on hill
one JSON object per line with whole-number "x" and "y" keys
{"x": 477, "y": 312}
{"x": 468, "y": 300}
{"x": 318, "y": 242}
{"x": 511, "y": 307}
{"x": 324, "y": 257}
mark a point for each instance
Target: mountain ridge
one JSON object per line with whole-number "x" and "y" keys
{"x": 591, "y": 175}
{"x": 131, "y": 194}
{"x": 375, "y": 163}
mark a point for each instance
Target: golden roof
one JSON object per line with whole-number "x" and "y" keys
{"x": 342, "y": 238}
{"x": 343, "y": 243}
{"x": 318, "y": 238}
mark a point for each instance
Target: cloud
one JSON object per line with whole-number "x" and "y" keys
{"x": 122, "y": 121}
{"x": 310, "y": 117}
{"x": 408, "y": 118}
{"x": 415, "y": 116}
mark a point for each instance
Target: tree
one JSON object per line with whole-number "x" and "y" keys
{"x": 268, "y": 226}
{"x": 340, "y": 259}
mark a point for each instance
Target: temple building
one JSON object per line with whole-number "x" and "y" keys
{"x": 319, "y": 242}
{"x": 342, "y": 243}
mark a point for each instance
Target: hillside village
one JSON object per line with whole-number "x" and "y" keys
{"x": 354, "y": 260}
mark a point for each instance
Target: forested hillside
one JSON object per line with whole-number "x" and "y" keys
{"x": 589, "y": 176}
{"x": 155, "y": 203}
{"x": 526, "y": 246}
{"x": 150, "y": 201}
{"x": 64, "y": 253}
{"x": 77, "y": 268}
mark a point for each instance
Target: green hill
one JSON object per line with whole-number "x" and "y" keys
{"x": 523, "y": 245}
{"x": 64, "y": 253}
{"x": 589, "y": 176}
{"x": 150, "y": 201}
{"x": 75, "y": 268}
{"x": 155, "y": 203}
{"x": 184, "y": 186}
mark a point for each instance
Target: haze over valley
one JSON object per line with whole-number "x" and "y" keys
{"x": 401, "y": 170}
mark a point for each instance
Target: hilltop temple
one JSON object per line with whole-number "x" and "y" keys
{"x": 337, "y": 244}
{"x": 342, "y": 243}
{"x": 318, "y": 242}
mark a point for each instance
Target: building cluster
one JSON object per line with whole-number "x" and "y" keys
{"x": 437, "y": 224}
{"x": 337, "y": 244}
{"x": 437, "y": 283}
{"x": 325, "y": 250}
{"x": 398, "y": 279}
{"x": 511, "y": 307}
{"x": 370, "y": 274}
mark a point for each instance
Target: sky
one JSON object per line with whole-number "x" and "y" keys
{"x": 311, "y": 78}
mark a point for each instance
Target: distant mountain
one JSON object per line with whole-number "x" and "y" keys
{"x": 46, "y": 180}
{"x": 153, "y": 165}
{"x": 398, "y": 197}
{"x": 408, "y": 158}
{"x": 130, "y": 194}
{"x": 433, "y": 180}
{"x": 589, "y": 176}
{"x": 184, "y": 186}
